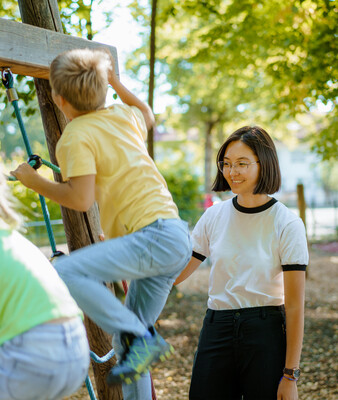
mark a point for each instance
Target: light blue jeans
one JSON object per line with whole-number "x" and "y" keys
{"x": 47, "y": 362}
{"x": 151, "y": 258}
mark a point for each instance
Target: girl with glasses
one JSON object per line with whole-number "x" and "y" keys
{"x": 250, "y": 343}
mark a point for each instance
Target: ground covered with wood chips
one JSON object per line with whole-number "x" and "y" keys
{"x": 181, "y": 321}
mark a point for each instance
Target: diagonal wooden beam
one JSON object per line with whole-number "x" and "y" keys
{"x": 29, "y": 50}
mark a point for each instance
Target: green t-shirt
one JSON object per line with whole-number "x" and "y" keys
{"x": 31, "y": 292}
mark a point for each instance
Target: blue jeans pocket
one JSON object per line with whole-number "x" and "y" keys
{"x": 28, "y": 383}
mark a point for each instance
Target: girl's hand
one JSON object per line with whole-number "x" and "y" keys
{"x": 287, "y": 390}
{"x": 25, "y": 174}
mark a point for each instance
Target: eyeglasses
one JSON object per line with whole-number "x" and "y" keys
{"x": 239, "y": 166}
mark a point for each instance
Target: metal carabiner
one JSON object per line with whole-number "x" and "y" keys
{"x": 5, "y": 71}
{"x": 7, "y": 80}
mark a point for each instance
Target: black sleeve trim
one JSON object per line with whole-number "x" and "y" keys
{"x": 294, "y": 267}
{"x": 198, "y": 256}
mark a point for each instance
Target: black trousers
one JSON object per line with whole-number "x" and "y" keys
{"x": 240, "y": 355}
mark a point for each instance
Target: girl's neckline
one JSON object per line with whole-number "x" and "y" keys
{"x": 253, "y": 210}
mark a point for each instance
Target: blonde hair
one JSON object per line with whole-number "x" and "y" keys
{"x": 7, "y": 214}
{"x": 81, "y": 77}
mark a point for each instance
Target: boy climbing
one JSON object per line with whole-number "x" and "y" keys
{"x": 103, "y": 157}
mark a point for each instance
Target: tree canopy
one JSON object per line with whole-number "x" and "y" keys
{"x": 265, "y": 60}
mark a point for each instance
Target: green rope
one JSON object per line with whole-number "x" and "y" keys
{"x": 48, "y": 164}
{"x": 7, "y": 80}
{"x": 51, "y": 166}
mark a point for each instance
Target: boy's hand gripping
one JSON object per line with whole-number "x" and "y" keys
{"x": 25, "y": 174}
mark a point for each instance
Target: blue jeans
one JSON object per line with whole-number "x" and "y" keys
{"x": 50, "y": 361}
{"x": 151, "y": 258}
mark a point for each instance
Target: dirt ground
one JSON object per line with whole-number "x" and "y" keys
{"x": 181, "y": 320}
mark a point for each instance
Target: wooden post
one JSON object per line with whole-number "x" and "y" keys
{"x": 81, "y": 229}
{"x": 208, "y": 156}
{"x": 301, "y": 202}
{"x": 302, "y": 212}
{"x": 152, "y": 74}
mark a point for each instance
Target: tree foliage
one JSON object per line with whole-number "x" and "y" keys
{"x": 184, "y": 186}
{"x": 228, "y": 60}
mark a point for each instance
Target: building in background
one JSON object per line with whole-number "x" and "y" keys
{"x": 299, "y": 165}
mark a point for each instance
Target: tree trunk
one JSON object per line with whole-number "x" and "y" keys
{"x": 82, "y": 229}
{"x": 302, "y": 213}
{"x": 152, "y": 74}
{"x": 301, "y": 202}
{"x": 208, "y": 157}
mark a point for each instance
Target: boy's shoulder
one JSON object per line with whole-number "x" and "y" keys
{"x": 122, "y": 111}
{"x": 125, "y": 110}
{"x": 119, "y": 115}
{"x": 130, "y": 114}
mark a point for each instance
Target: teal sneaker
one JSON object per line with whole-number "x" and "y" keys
{"x": 142, "y": 352}
{"x": 164, "y": 349}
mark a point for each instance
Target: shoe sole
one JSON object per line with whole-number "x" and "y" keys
{"x": 167, "y": 354}
{"x": 163, "y": 357}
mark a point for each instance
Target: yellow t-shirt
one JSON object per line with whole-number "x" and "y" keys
{"x": 130, "y": 191}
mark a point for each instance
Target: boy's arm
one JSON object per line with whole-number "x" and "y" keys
{"x": 193, "y": 264}
{"x": 129, "y": 98}
{"x": 78, "y": 193}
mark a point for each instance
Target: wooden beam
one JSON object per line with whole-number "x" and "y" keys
{"x": 29, "y": 50}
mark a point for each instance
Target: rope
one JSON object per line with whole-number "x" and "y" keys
{"x": 101, "y": 360}
{"x": 7, "y": 80}
{"x": 33, "y": 163}
{"x": 90, "y": 388}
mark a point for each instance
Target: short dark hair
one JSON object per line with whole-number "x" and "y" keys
{"x": 261, "y": 144}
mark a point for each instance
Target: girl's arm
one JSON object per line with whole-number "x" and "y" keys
{"x": 78, "y": 193}
{"x": 193, "y": 264}
{"x": 294, "y": 292}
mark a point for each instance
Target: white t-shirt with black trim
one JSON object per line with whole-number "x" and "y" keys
{"x": 249, "y": 248}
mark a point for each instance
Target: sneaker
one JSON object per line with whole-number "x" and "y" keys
{"x": 164, "y": 349}
{"x": 142, "y": 352}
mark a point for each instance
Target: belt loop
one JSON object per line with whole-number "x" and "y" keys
{"x": 263, "y": 313}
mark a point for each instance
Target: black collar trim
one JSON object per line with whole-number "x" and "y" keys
{"x": 253, "y": 210}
